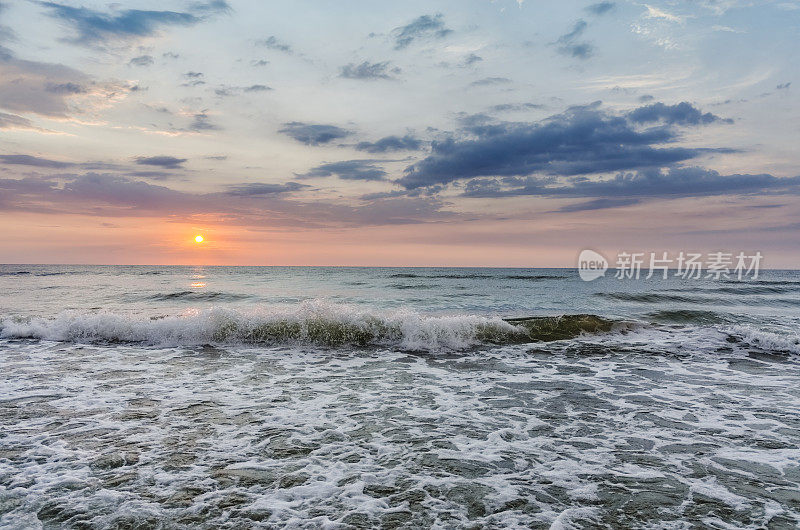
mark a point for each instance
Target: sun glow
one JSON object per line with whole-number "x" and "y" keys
{"x": 198, "y": 239}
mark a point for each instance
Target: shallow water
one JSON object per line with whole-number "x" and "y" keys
{"x": 123, "y": 405}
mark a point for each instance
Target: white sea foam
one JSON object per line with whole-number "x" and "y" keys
{"x": 767, "y": 340}
{"x": 314, "y": 322}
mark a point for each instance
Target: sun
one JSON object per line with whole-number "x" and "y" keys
{"x": 198, "y": 238}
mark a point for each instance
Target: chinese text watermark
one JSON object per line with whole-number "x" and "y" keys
{"x": 686, "y": 265}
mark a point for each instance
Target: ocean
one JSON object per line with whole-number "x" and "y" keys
{"x": 238, "y": 397}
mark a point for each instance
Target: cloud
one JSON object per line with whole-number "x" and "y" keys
{"x": 167, "y": 162}
{"x": 92, "y": 27}
{"x": 212, "y": 7}
{"x": 597, "y": 204}
{"x": 600, "y": 8}
{"x": 273, "y": 43}
{"x": 512, "y": 107}
{"x": 313, "y": 134}
{"x": 568, "y": 43}
{"x": 654, "y": 12}
{"x": 256, "y": 205}
{"x": 257, "y": 88}
{"x": 488, "y": 81}
{"x": 49, "y": 89}
{"x": 224, "y": 91}
{"x": 390, "y": 143}
{"x": 34, "y": 161}
{"x": 367, "y": 70}
{"x": 12, "y": 121}
{"x": 582, "y": 140}
{"x": 424, "y": 27}
{"x": 202, "y": 122}
{"x": 471, "y": 59}
{"x": 348, "y": 170}
{"x": 262, "y": 189}
{"x": 681, "y": 114}
{"x": 142, "y": 60}
{"x": 783, "y": 86}
{"x": 630, "y": 186}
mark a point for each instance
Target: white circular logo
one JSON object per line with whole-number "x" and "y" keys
{"x": 591, "y": 265}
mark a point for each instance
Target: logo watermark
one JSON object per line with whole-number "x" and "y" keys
{"x": 591, "y": 265}
{"x": 687, "y": 265}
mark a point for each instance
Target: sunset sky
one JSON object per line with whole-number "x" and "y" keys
{"x": 498, "y": 133}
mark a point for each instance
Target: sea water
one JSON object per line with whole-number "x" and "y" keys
{"x": 235, "y": 397}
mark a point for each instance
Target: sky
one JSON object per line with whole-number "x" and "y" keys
{"x": 441, "y": 133}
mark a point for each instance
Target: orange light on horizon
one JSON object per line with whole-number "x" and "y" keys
{"x": 198, "y": 238}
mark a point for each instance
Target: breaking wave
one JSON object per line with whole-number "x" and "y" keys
{"x": 765, "y": 340}
{"x": 310, "y": 323}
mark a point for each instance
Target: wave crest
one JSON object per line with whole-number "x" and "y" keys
{"x": 310, "y": 323}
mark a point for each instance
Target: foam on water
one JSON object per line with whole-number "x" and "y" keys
{"x": 311, "y": 323}
{"x": 184, "y": 397}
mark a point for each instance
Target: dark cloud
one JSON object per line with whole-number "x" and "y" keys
{"x": 643, "y": 184}
{"x": 390, "y": 143}
{"x": 783, "y": 86}
{"x": 644, "y": 98}
{"x": 35, "y": 161}
{"x": 600, "y": 8}
{"x": 568, "y": 43}
{"x": 681, "y": 114}
{"x": 367, "y": 70}
{"x": 273, "y": 43}
{"x": 262, "y": 189}
{"x": 348, "y": 170}
{"x": 259, "y": 62}
{"x": 487, "y": 81}
{"x": 424, "y": 27}
{"x": 582, "y": 140}
{"x": 257, "y": 88}
{"x": 167, "y": 162}
{"x": 142, "y": 60}
{"x": 94, "y": 27}
{"x": 313, "y": 134}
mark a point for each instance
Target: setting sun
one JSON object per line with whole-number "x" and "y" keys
{"x": 198, "y": 239}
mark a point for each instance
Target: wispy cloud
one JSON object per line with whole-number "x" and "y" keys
{"x": 367, "y": 70}
{"x": 91, "y": 27}
{"x": 273, "y": 43}
{"x": 568, "y": 44}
